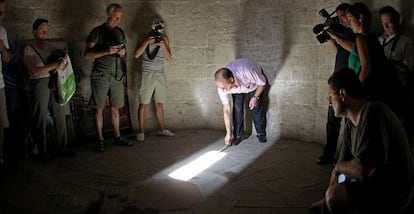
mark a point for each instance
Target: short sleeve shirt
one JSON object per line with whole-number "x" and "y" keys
{"x": 379, "y": 141}
{"x": 247, "y": 76}
{"x": 33, "y": 60}
{"x": 103, "y": 37}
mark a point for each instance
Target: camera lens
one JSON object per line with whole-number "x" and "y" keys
{"x": 323, "y": 37}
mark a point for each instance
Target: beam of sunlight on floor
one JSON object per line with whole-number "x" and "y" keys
{"x": 197, "y": 166}
{"x": 212, "y": 166}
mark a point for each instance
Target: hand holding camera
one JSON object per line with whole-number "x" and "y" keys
{"x": 121, "y": 50}
{"x": 113, "y": 49}
{"x": 150, "y": 40}
{"x": 155, "y": 37}
{"x": 332, "y": 34}
{"x": 117, "y": 50}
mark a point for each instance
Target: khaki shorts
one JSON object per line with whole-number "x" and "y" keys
{"x": 4, "y": 120}
{"x": 106, "y": 85}
{"x": 153, "y": 84}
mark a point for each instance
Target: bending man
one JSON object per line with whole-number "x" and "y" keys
{"x": 237, "y": 79}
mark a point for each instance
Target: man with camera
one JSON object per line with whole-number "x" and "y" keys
{"x": 153, "y": 50}
{"x": 106, "y": 46}
{"x": 341, "y": 38}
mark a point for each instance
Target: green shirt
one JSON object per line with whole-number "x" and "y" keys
{"x": 353, "y": 61}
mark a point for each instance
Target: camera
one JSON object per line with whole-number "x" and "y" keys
{"x": 121, "y": 46}
{"x": 330, "y": 23}
{"x": 155, "y": 27}
{"x": 157, "y": 36}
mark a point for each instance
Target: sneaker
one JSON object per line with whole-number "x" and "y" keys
{"x": 236, "y": 141}
{"x": 100, "y": 146}
{"x": 122, "y": 142}
{"x": 140, "y": 137}
{"x": 167, "y": 133}
{"x": 262, "y": 138}
{"x": 323, "y": 159}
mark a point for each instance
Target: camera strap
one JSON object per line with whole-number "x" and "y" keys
{"x": 123, "y": 70}
{"x": 394, "y": 43}
{"x": 152, "y": 55}
{"x": 37, "y": 52}
{"x": 119, "y": 37}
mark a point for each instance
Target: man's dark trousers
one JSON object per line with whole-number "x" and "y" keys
{"x": 258, "y": 114}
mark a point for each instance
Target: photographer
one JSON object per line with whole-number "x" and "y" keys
{"x": 342, "y": 43}
{"x": 153, "y": 50}
{"x": 106, "y": 46}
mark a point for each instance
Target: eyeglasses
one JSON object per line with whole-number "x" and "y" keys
{"x": 329, "y": 98}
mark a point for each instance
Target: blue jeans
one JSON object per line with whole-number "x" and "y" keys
{"x": 258, "y": 114}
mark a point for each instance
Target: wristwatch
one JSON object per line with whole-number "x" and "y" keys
{"x": 257, "y": 97}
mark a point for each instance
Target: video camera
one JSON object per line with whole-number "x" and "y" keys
{"x": 330, "y": 23}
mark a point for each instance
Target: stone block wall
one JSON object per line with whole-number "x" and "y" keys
{"x": 205, "y": 35}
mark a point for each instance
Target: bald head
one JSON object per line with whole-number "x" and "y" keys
{"x": 223, "y": 74}
{"x": 224, "y": 78}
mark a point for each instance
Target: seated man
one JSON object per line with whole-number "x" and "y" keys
{"x": 376, "y": 162}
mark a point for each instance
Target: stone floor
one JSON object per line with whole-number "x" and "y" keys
{"x": 277, "y": 177}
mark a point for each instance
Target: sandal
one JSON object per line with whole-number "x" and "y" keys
{"x": 120, "y": 141}
{"x": 100, "y": 146}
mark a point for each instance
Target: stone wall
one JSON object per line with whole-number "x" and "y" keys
{"x": 205, "y": 35}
